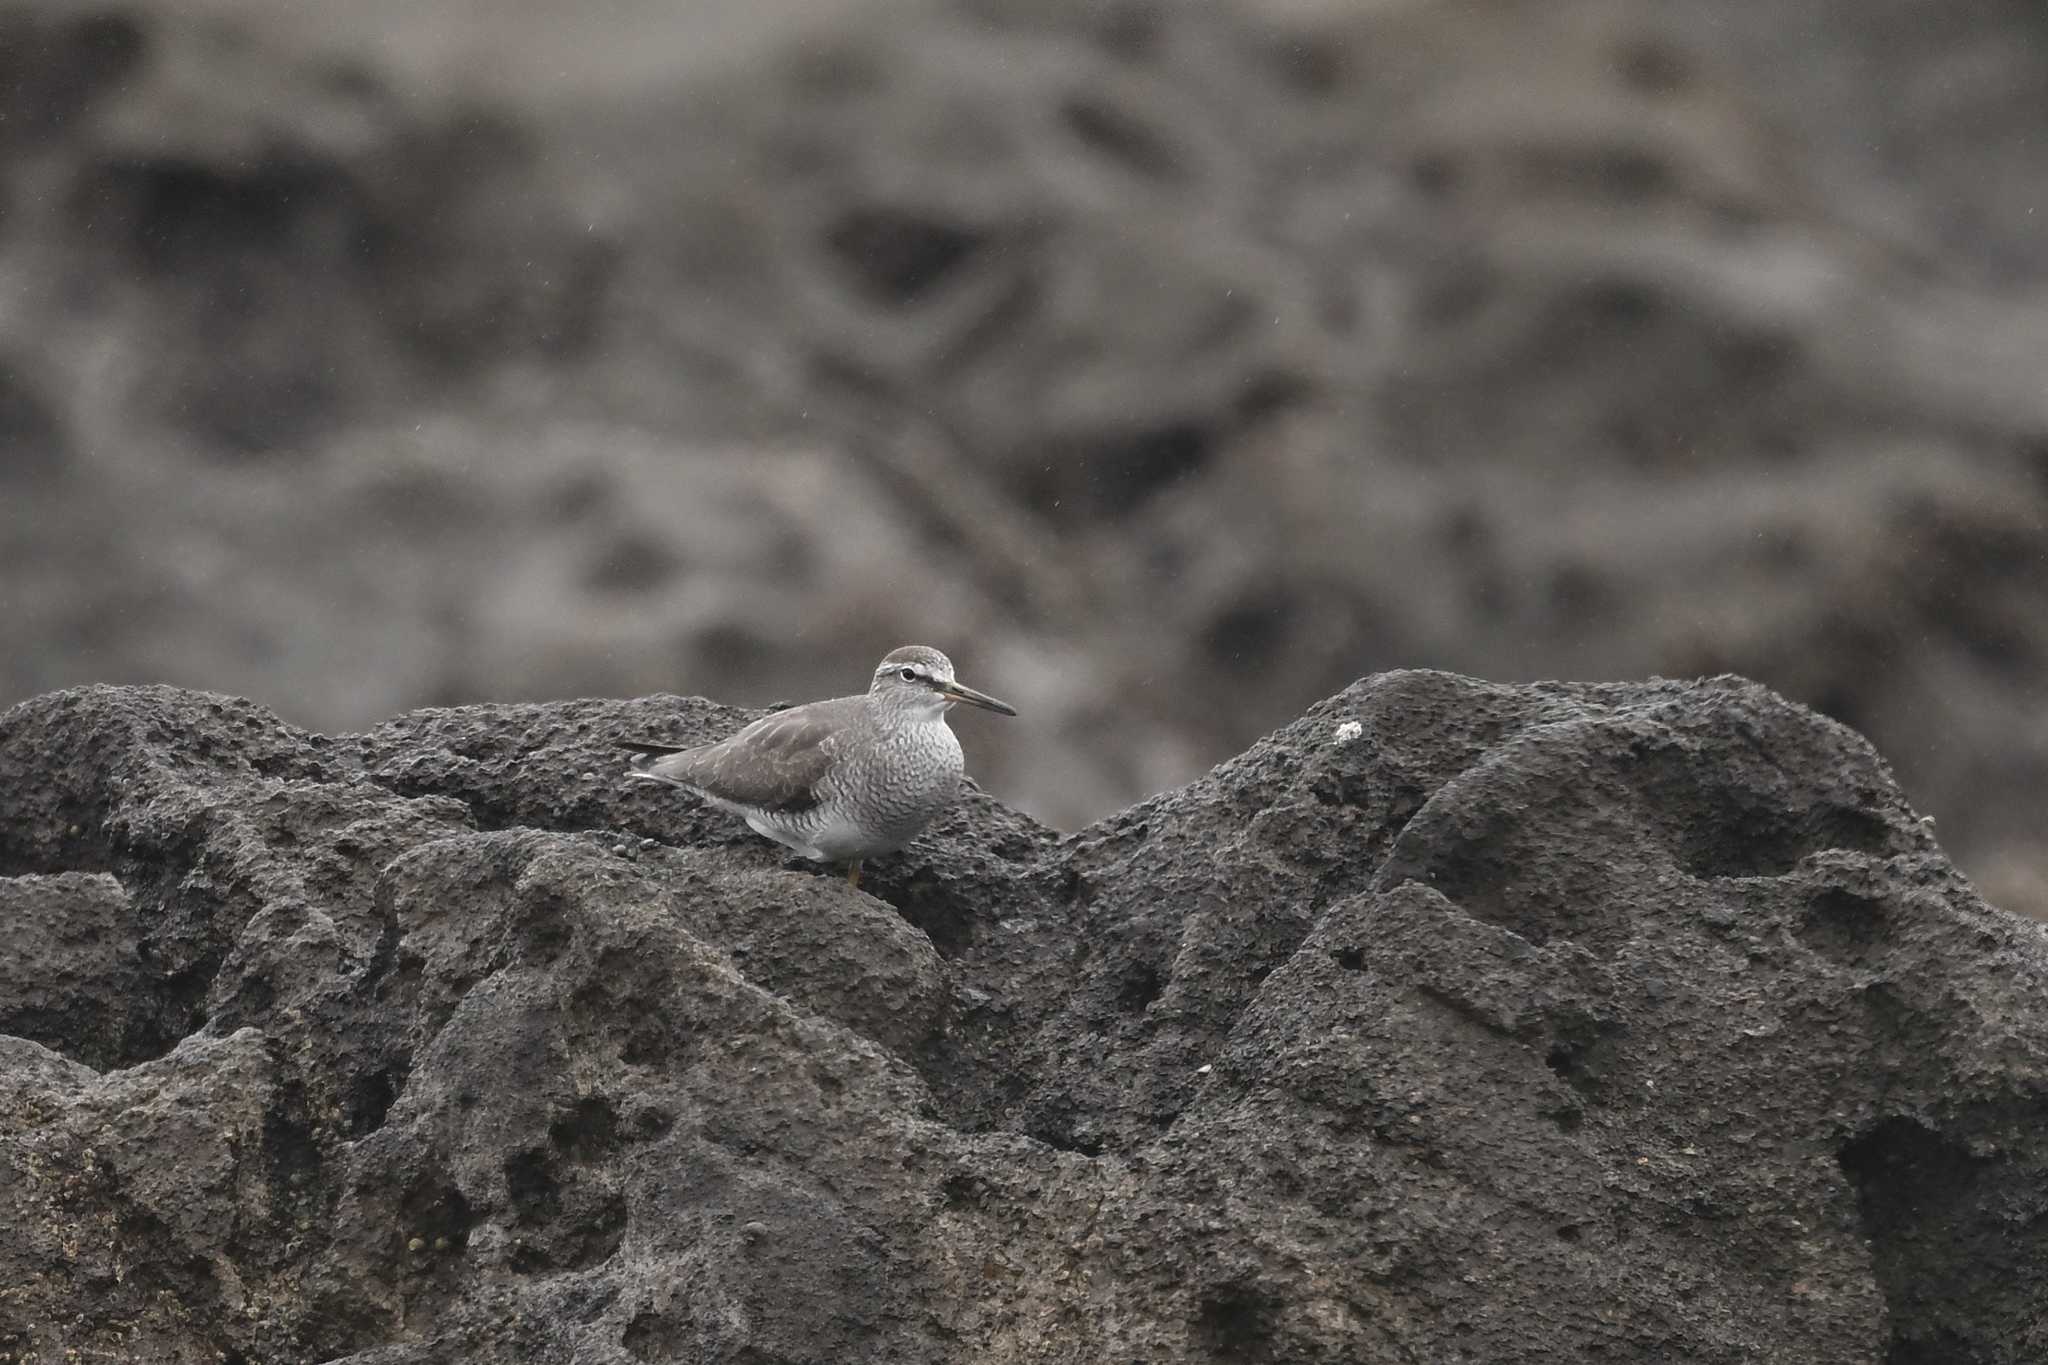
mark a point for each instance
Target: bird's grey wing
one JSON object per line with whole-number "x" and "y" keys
{"x": 774, "y": 764}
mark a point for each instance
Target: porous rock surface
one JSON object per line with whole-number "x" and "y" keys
{"x": 1250, "y": 344}
{"x": 1454, "y": 1021}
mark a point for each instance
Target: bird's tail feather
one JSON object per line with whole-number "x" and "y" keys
{"x": 646, "y": 755}
{"x": 647, "y": 750}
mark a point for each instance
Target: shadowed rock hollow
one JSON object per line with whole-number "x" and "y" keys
{"x": 1451, "y": 1022}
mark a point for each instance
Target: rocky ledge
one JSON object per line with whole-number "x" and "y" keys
{"x": 1452, "y": 1022}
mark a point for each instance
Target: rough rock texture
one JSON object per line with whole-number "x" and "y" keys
{"x": 1243, "y": 345}
{"x": 1454, "y": 1021}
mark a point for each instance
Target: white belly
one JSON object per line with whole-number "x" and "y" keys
{"x": 832, "y": 841}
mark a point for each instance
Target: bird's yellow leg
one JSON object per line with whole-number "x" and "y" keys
{"x": 853, "y": 874}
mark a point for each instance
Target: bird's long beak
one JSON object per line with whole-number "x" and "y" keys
{"x": 955, "y": 691}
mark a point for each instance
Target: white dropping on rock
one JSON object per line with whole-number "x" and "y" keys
{"x": 1349, "y": 731}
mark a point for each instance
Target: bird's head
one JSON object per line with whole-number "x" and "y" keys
{"x": 918, "y": 678}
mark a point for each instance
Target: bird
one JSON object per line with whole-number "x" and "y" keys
{"x": 841, "y": 780}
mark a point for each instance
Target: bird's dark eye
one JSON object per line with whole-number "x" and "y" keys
{"x": 907, "y": 674}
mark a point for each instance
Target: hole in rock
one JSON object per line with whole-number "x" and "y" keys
{"x": 370, "y": 1097}
{"x": 1068, "y": 1131}
{"x": 962, "y": 1191}
{"x": 1843, "y": 925}
{"x": 898, "y": 255}
{"x": 1583, "y": 1058}
{"x": 924, "y": 902}
{"x": 536, "y": 1194}
{"x": 565, "y": 1224}
{"x": 650, "y": 1123}
{"x": 646, "y": 1046}
{"x": 596, "y": 1234}
{"x": 651, "y": 1336}
{"x": 435, "y": 1212}
{"x": 292, "y": 1151}
{"x": 588, "y": 1131}
{"x": 1719, "y": 826}
{"x": 1949, "y": 1259}
{"x": 1138, "y": 986}
{"x": 547, "y": 928}
{"x": 1237, "y": 1325}
{"x": 161, "y": 1269}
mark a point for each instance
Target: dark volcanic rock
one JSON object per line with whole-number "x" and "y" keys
{"x": 70, "y": 973}
{"x": 1247, "y": 344}
{"x": 1454, "y": 1021}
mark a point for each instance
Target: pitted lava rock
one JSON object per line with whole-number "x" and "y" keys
{"x": 1453, "y": 1021}
{"x": 366, "y": 357}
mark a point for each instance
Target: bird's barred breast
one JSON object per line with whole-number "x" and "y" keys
{"x": 897, "y": 786}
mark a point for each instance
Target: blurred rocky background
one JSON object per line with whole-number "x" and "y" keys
{"x": 1169, "y": 364}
